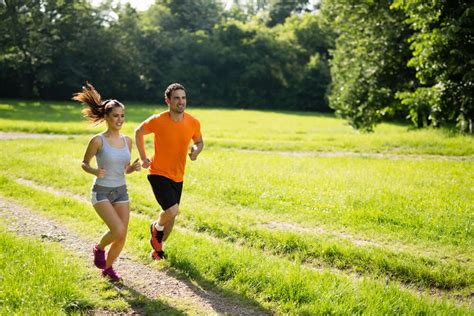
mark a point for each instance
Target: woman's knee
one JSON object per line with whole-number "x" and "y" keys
{"x": 120, "y": 233}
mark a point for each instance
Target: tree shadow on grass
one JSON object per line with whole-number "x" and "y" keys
{"x": 40, "y": 111}
{"x": 63, "y": 111}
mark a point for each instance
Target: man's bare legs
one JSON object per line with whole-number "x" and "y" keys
{"x": 161, "y": 230}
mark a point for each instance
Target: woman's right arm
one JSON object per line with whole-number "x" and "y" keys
{"x": 92, "y": 148}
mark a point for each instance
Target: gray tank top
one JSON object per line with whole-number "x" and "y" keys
{"x": 113, "y": 160}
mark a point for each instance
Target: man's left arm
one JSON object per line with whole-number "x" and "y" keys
{"x": 196, "y": 148}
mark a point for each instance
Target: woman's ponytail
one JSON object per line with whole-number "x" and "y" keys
{"x": 94, "y": 107}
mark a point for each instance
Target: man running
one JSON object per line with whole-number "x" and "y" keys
{"x": 173, "y": 131}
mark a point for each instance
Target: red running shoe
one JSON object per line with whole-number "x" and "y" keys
{"x": 154, "y": 239}
{"x": 157, "y": 255}
{"x": 111, "y": 274}
{"x": 99, "y": 257}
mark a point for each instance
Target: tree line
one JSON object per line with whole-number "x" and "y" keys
{"x": 366, "y": 60}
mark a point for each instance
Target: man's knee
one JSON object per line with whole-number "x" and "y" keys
{"x": 173, "y": 211}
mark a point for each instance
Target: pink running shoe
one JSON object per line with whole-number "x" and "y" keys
{"x": 99, "y": 257}
{"x": 111, "y": 274}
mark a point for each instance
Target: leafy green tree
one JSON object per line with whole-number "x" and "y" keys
{"x": 253, "y": 63}
{"x": 25, "y": 45}
{"x": 122, "y": 75}
{"x": 279, "y": 10}
{"x": 236, "y": 11}
{"x": 368, "y": 62}
{"x": 443, "y": 57}
{"x": 280, "y": 67}
{"x": 276, "y": 10}
{"x": 170, "y": 55}
{"x": 253, "y": 7}
{"x": 311, "y": 42}
{"x": 194, "y": 15}
{"x": 51, "y": 47}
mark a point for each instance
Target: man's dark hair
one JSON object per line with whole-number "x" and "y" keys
{"x": 173, "y": 87}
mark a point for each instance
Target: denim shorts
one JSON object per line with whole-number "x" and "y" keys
{"x": 113, "y": 195}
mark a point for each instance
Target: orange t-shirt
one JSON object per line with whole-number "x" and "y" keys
{"x": 171, "y": 143}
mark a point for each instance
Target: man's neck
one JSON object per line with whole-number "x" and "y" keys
{"x": 177, "y": 117}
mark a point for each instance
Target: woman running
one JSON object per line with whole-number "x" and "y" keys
{"x": 109, "y": 194}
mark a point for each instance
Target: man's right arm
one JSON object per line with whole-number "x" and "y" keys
{"x": 140, "y": 142}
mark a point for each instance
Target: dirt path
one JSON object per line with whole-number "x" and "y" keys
{"x": 137, "y": 276}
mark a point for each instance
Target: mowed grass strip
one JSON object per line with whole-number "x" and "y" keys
{"x": 283, "y": 285}
{"x": 334, "y": 251}
{"x": 412, "y": 200}
{"x": 248, "y": 129}
{"x": 42, "y": 278}
{"x": 293, "y": 288}
{"x": 408, "y": 200}
{"x": 322, "y": 251}
{"x": 240, "y": 222}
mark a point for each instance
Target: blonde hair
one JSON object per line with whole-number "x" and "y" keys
{"x": 95, "y": 109}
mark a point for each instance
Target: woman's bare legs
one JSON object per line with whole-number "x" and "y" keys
{"x": 116, "y": 218}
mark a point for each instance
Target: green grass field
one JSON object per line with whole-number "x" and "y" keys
{"x": 279, "y": 209}
{"x": 39, "y": 278}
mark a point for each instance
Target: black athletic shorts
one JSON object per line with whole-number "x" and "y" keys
{"x": 167, "y": 192}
